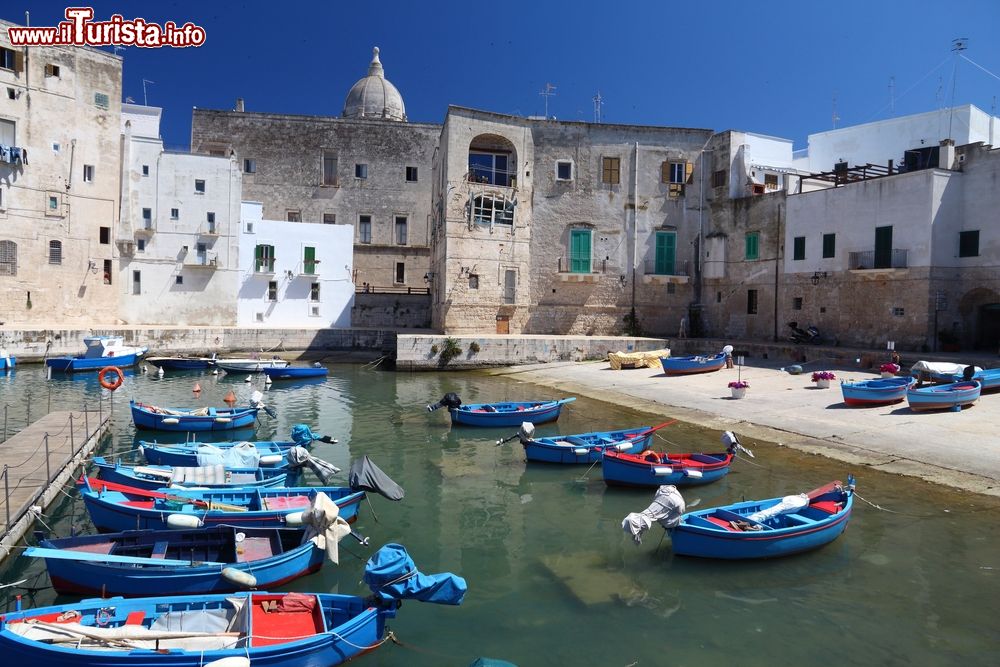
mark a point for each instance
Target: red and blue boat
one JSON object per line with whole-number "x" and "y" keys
{"x": 877, "y": 391}
{"x": 692, "y": 365}
{"x": 952, "y": 396}
{"x": 766, "y": 528}
{"x": 583, "y": 447}
{"x": 116, "y": 507}
{"x": 154, "y": 418}
{"x": 500, "y": 414}
{"x": 213, "y": 477}
{"x": 271, "y": 453}
{"x": 655, "y": 469}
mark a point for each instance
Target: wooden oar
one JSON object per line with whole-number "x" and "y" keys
{"x": 67, "y": 554}
{"x": 98, "y": 484}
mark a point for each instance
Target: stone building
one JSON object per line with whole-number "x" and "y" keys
{"x": 59, "y": 194}
{"x": 178, "y": 231}
{"x": 369, "y": 168}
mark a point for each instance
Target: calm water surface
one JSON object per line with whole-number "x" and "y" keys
{"x": 552, "y": 578}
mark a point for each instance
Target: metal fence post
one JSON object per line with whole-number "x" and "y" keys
{"x": 6, "y": 494}
{"x": 86, "y": 419}
{"x": 5, "y": 423}
{"x": 72, "y": 443}
{"x": 48, "y": 470}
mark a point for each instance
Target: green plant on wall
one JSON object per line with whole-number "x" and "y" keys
{"x": 450, "y": 350}
{"x": 434, "y": 349}
{"x": 473, "y": 347}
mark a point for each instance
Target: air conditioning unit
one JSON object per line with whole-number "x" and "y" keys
{"x": 314, "y": 311}
{"x": 259, "y": 317}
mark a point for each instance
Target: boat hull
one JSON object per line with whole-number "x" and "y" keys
{"x": 242, "y": 477}
{"x": 186, "y": 455}
{"x": 218, "y": 419}
{"x": 180, "y": 363}
{"x": 692, "y": 365}
{"x": 294, "y": 373}
{"x": 506, "y": 414}
{"x": 78, "y": 364}
{"x": 876, "y": 392}
{"x": 586, "y": 448}
{"x": 249, "y": 365}
{"x": 655, "y": 469}
{"x": 943, "y": 396}
{"x": 7, "y": 363}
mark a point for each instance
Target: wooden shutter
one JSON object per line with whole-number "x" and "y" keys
{"x": 18, "y": 62}
{"x": 664, "y": 172}
{"x": 689, "y": 172}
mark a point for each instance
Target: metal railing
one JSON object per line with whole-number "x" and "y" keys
{"x": 866, "y": 259}
{"x": 395, "y": 289}
{"x": 574, "y": 264}
{"x": 650, "y": 268}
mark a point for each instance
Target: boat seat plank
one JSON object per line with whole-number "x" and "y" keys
{"x": 828, "y": 506}
{"x": 135, "y": 617}
{"x": 286, "y": 502}
{"x": 254, "y": 548}
{"x": 95, "y": 548}
{"x": 716, "y": 522}
{"x": 799, "y": 519}
{"x": 295, "y": 617}
{"x": 159, "y": 549}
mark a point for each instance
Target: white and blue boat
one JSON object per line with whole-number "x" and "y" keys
{"x": 154, "y": 418}
{"x": 7, "y": 362}
{"x": 212, "y": 477}
{"x": 295, "y": 372}
{"x": 185, "y": 455}
{"x": 989, "y": 378}
{"x": 500, "y": 414}
{"x": 692, "y": 365}
{"x": 583, "y": 447}
{"x": 952, "y": 396}
{"x": 878, "y": 391}
{"x": 101, "y": 351}
{"x": 181, "y": 363}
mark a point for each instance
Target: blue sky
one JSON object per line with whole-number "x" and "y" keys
{"x": 772, "y": 68}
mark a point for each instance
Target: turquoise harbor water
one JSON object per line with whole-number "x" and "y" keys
{"x": 552, "y": 578}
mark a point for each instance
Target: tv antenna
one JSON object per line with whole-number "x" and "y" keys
{"x": 834, "y": 116}
{"x": 547, "y": 92}
{"x": 598, "y": 103}
{"x": 958, "y": 45}
{"x": 144, "y": 82}
{"x": 892, "y": 95}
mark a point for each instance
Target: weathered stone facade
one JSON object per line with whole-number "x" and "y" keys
{"x": 59, "y": 207}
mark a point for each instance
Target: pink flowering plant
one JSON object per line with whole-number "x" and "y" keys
{"x": 823, "y": 375}
{"x": 739, "y": 384}
{"x": 889, "y": 368}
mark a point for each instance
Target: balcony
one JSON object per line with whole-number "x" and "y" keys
{"x": 145, "y": 227}
{"x": 662, "y": 273}
{"x": 207, "y": 260}
{"x": 869, "y": 260}
{"x": 573, "y": 269}
{"x": 264, "y": 266}
{"x": 308, "y": 269}
{"x": 210, "y": 230}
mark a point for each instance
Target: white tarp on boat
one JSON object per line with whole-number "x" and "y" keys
{"x": 198, "y": 475}
{"x": 940, "y": 368}
{"x": 787, "y": 505}
{"x": 666, "y": 509}
{"x": 242, "y": 455}
{"x": 650, "y": 359}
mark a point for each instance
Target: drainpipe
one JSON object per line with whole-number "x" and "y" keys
{"x": 635, "y": 222}
{"x": 777, "y": 271}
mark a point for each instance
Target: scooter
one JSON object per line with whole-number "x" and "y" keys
{"x": 807, "y": 336}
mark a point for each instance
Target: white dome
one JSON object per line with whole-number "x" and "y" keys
{"x": 374, "y": 97}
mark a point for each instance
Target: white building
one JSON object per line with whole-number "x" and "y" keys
{"x": 294, "y": 274}
{"x": 177, "y": 233}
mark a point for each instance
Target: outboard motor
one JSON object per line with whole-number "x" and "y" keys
{"x": 968, "y": 372}
{"x": 812, "y": 335}
{"x": 449, "y": 400}
{"x": 733, "y": 444}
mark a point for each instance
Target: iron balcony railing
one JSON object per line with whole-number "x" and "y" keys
{"x": 574, "y": 264}
{"x": 867, "y": 259}
{"x": 654, "y": 268}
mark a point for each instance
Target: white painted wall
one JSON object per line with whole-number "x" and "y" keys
{"x": 202, "y": 255}
{"x": 293, "y": 306}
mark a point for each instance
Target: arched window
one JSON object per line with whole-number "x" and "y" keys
{"x": 55, "y": 252}
{"x": 8, "y": 258}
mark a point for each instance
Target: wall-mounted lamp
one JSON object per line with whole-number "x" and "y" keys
{"x": 289, "y": 274}
{"x": 816, "y": 276}
{"x": 92, "y": 266}
{"x": 428, "y": 277}
{"x": 622, "y": 278}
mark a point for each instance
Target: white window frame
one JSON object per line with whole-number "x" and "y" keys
{"x": 204, "y": 187}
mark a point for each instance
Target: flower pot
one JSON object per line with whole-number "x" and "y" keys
{"x": 888, "y": 375}
{"x": 822, "y": 384}
{"x": 739, "y": 393}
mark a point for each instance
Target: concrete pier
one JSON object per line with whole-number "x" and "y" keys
{"x": 38, "y": 461}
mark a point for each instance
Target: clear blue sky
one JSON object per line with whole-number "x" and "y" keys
{"x": 772, "y": 68}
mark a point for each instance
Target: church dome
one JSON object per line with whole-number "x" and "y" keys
{"x": 374, "y": 97}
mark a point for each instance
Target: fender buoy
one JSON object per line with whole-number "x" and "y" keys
{"x": 294, "y": 519}
{"x": 171, "y": 420}
{"x": 239, "y": 577}
{"x": 271, "y": 459}
{"x": 111, "y": 385}
{"x": 197, "y": 388}
{"x": 177, "y": 521}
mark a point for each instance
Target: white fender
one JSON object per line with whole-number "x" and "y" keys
{"x": 176, "y": 521}
{"x": 223, "y": 420}
{"x": 662, "y": 470}
{"x": 171, "y": 420}
{"x": 271, "y": 459}
{"x": 693, "y": 474}
{"x": 580, "y": 451}
{"x": 239, "y": 577}
{"x": 622, "y": 446}
{"x": 294, "y": 519}
{"x": 232, "y": 661}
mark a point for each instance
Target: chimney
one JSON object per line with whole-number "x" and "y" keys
{"x": 946, "y": 155}
{"x": 239, "y": 104}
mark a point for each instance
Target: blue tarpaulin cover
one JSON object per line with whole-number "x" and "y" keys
{"x": 303, "y": 435}
{"x": 392, "y": 575}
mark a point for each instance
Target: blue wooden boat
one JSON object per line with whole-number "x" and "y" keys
{"x": 7, "y": 362}
{"x": 943, "y": 396}
{"x": 137, "y": 563}
{"x": 100, "y": 351}
{"x": 115, "y": 507}
{"x": 203, "y": 419}
{"x": 295, "y": 372}
{"x": 878, "y": 391}
{"x": 989, "y": 378}
{"x": 185, "y": 455}
{"x": 656, "y": 468}
{"x": 181, "y": 363}
{"x": 212, "y": 477}
{"x": 584, "y": 447}
{"x": 225, "y": 630}
{"x": 507, "y": 414}
{"x": 733, "y": 532}
{"x": 691, "y": 365}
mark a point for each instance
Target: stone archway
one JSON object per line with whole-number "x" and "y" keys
{"x": 979, "y": 309}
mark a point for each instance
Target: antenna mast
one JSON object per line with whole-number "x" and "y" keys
{"x": 144, "y": 82}
{"x": 892, "y": 95}
{"x": 957, "y": 46}
{"x": 547, "y": 93}
{"x": 835, "y": 117}
{"x": 598, "y": 103}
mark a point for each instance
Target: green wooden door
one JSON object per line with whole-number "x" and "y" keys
{"x": 309, "y": 260}
{"x": 883, "y": 247}
{"x": 579, "y": 251}
{"x": 666, "y": 249}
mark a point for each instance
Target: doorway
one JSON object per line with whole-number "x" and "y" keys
{"x": 503, "y": 324}
{"x": 988, "y": 336}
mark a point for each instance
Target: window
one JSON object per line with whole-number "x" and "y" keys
{"x": 199, "y": 186}
{"x": 137, "y": 282}
{"x": 7, "y": 132}
{"x": 798, "y": 248}
{"x": 309, "y": 260}
{"x": 673, "y": 172}
{"x": 210, "y": 219}
{"x": 107, "y": 272}
{"x": 365, "y": 228}
{"x": 491, "y": 168}
{"x": 829, "y": 246}
{"x": 361, "y": 171}
{"x": 666, "y": 245}
{"x": 751, "y": 302}
{"x": 719, "y": 178}
{"x": 55, "y": 252}
{"x": 400, "y": 230}
{"x": 52, "y": 70}
{"x": 249, "y": 166}
{"x": 88, "y": 173}
{"x": 610, "y": 170}
{"x": 718, "y": 297}
{"x": 11, "y": 93}
{"x": 178, "y": 280}
{"x": 473, "y": 281}
{"x": 329, "y": 218}
{"x": 53, "y": 203}
{"x": 293, "y": 216}
{"x": 147, "y": 218}
{"x": 272, "y": 290}
{"x": 898, "y": 312}
{"x": 400, "y": 277}
{"x": 314, "y": 291}
{"x": 770, "y": 181}
{"x": 797, "y": 303}
{"x": 145, "y": 170}
{"x": 492, "y": 210}
{"x": 263, "y": 258}
{"x": 509, "y": 286}
{"x": 101, "y": 100}
{"x": 411, "y": 174}
{"x": 751, "y": 250}
{"x": 105, "y": 235}
{"x": 968, "y": 244}
{"x": 564, "y": 170}
{"x": 329, "y": 169}
{"x": 8, "y": 258}
{"x": 9, "y": 59}
{"x": 175, "y": 213}
{"x": 140, "y": 245}
{"x": 579, "y": 250}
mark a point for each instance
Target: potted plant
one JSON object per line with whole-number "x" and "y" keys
{"x": 822, "y": 379}
{"x": 889, "y": 370}
{"x": 739, "y": 388}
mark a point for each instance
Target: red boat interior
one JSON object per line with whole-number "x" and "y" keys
{"x": 280, "y": 619}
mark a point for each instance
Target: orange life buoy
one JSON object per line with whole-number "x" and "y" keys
{"x": 111, "y": 385}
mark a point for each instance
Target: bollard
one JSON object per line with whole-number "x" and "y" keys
{"x": 48, "y": 471}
